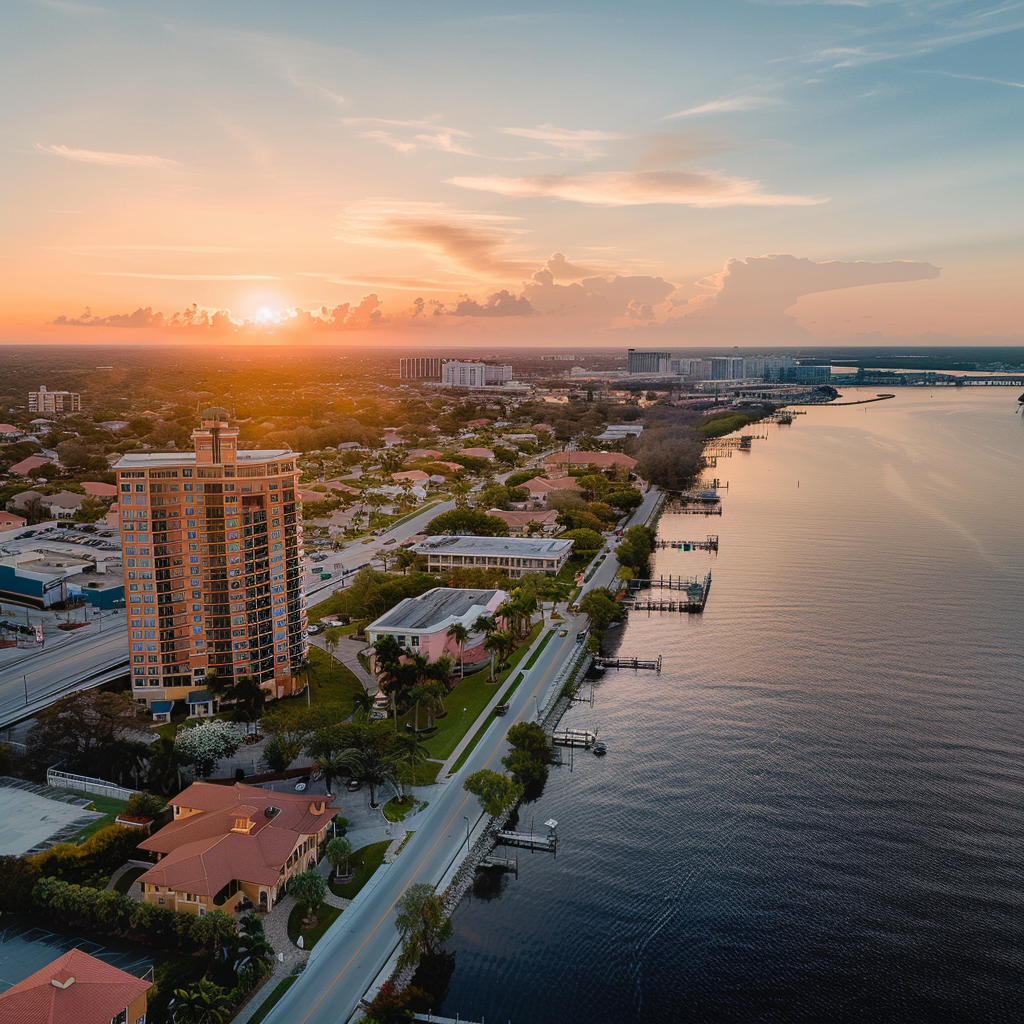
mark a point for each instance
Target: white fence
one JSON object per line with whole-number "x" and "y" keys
{"x": 86, "y": 784}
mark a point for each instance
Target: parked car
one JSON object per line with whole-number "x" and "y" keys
{"x": 563, "y": 632}
{"x": 312, "y": 628}
{"x": 301, "y": 785}
{"x": 353, "y": 785}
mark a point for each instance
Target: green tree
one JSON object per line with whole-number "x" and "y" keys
{"x": 525, "y": 768}
{"x": 531, "y": 738}
{"x": 202, "y": 1003}
{"x": 467, "y": 521}
{"x": 460, "y": 634}
{"x": 338, "y": 851}
{"x": 422, "y": 924}
{"x": 602, "y": 609}
{"x": 309, "y": 889}
{"x": 584, "y": 540}
{"x": 280, "y": 751}
{"x": 495, "y": 792}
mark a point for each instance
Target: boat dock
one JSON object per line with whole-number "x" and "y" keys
{"x": 709, "y": 544}
{"x": 687, "y": 583}
{"x": 574, "y": 738}
{"x": 694, "y": 602}
{"x": 634, "y": 663}
{"x": 529, "y": 840}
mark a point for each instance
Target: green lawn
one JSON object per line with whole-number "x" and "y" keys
{"x": 505, "y": 697}
{"x": 472, "y": 694}
{"x": 273, "y": 999}
{"x": 110, "y": 809}
{"x": 398, "y": 807}
{"x": 124, "y": 883}
{"x": 325, "y": 917}
{"x": 329, "y": 683}
{"x": 365, "y": 862}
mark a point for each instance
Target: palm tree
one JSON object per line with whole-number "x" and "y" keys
{"x": 461, "y": 489}
{"x": 336, "y": 851}
{"x": 460, "y": 634}
{"x": 331, "y": 637}
{"x": 249, "y": 697}
{"x": 332, "y": 765}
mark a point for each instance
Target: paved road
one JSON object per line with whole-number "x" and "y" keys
{"x": 349, "y": 957}
{"x": 37, "y": 679}
{"x": 356, "y": 553}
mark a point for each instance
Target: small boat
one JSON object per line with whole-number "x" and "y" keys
{"x": 599, "y": 748}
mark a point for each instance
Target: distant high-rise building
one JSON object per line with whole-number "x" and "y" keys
{"x": 421, "y": 367}
{"x": 213, "y": 564}
{"x": 472, "y": 374}
{"x": 54, "y": 401}
{"x": 648, "y": 363}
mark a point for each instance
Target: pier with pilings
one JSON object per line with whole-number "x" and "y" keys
{"x": 710, "y": 543}
{"x": 696, "y": 596}
{"x": 529, "y": 840}
{"x": 574, "y": 738}
{"x": 636, "y": 664}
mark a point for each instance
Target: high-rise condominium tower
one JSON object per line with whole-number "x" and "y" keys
{"x": 213, "y": 564}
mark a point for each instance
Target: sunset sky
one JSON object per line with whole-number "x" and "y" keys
{"x": 651, "y": 174}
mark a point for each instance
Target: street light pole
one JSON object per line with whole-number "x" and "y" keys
{"x": 466, "y": 820}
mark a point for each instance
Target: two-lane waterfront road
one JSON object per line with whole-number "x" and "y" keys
{"x": 36, "y": 680}
{"x": 348, "y": 958}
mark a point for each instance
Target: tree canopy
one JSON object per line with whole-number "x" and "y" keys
{"x": 468, "y": 521}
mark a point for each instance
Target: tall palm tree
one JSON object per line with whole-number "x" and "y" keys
{"x": 460, "y": 634}
{"x": 332, "y": 765}
{"x": 331, "y": 637}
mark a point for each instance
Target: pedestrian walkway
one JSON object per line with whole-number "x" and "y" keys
{"x": 494, "y": 701}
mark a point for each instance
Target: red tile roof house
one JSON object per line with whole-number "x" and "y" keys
{"x": 27, "y": 467}
{"x": 539, "y": 487}
{"x": 519, "y": 522}
{"x": 602, "y": 460}
{"x": 76, "y": 989}
{"x": 478, "y": 453}
{"x": 229, "y": 843}
{"x": 95, "y": 489}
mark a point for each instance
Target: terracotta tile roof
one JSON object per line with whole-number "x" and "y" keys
{"x": 601, "y": 459}
{"x": 75, "y": 989}
{"x": 202, "y": 853}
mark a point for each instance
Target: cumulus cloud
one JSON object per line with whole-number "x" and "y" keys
{"x": 749, "y": 297}
{"x": 344, "y": 317}
{"x": 91, "y": 156}
{"x": 501, "y": 303}
{"x": 558, "y": 268}
{"x": 698, "y": 188}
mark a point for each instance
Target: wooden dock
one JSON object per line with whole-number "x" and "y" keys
{"x": 529, "y": 840}
{"x": 686, "y": 508}
{"x": 574, "y": 738}
{"x": 687, "y": 583}
{"x": 634, "y": 663}
{"x": 694, "y": 602}
{"x": 710, "y": 543}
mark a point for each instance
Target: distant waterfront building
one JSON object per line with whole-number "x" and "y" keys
{"x": 784, "y": 370}
{"x": 513, "y": 555}
{"x": 54, "y": 401}
{"x": 648, "y": 363}
{"x": 421, "y": 368}
{"x": 213, "y": 564}
{"x": 460, "y": 374}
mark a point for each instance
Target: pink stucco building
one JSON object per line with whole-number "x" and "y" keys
{"x": 421, "y": 624}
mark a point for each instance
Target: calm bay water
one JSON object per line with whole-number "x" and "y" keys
{"x": 815, "y": 812}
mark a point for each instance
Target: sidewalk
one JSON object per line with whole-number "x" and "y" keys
{"x": 494, "y": 701}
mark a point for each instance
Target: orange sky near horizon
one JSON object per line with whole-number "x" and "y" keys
{"x": 759, "y": 173}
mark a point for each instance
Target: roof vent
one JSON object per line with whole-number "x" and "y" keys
{"x": 271, "y": 811}
{"x": 62, "y": 981}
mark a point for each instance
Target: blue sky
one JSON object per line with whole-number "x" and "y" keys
{"x": 270, "y": 159}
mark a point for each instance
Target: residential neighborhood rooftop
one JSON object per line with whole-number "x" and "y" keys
{"x": 524, "y": 547}
{"x": 434, "y": 609}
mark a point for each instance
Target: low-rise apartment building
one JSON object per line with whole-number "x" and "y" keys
{"x": 513, "y": 555}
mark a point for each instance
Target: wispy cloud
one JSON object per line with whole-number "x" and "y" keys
{"x": 458, "y": 239}
{"x": 409, "y": 136}
{"x": 576, "y": 143}
{"x": 727, "y": 105}
{"x": 974, "y": 78}
{"x": 696, "y": 188}
{"x": 92, "y": 156}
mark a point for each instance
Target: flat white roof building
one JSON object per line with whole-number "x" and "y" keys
{"x": 514, "y": 555}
